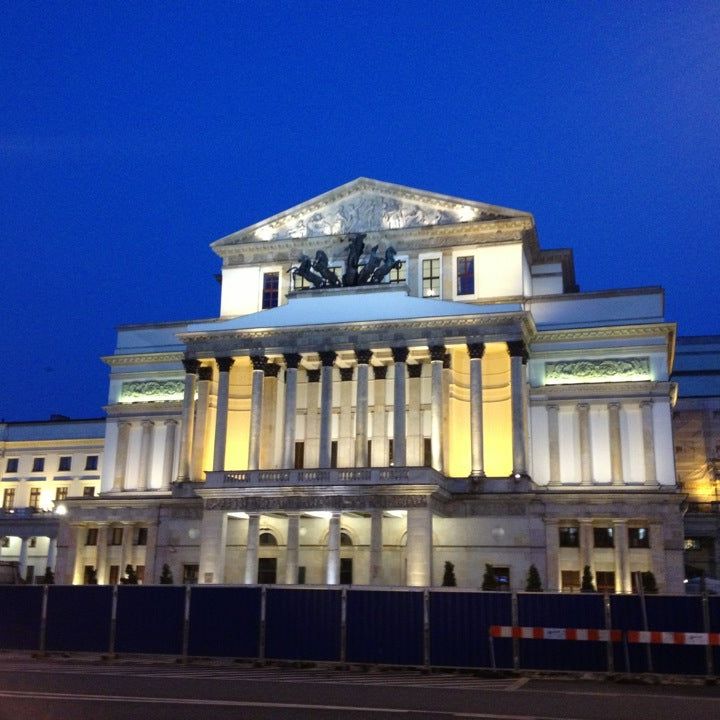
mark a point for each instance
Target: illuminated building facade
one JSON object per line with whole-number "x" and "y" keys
{"x": 396, "y": 379}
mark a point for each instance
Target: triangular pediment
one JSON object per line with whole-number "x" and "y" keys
{"x": 365, "y": 205}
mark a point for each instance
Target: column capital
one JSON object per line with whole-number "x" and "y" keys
{"x": 191, "y": 366}
{"x": 327, "y": 357}
{"x": 292, "y": 360}
{"x": 476, "y": 350}
{"x": 646, "y": 403}
{"x": 614, "y": 405}
{"x": 399, "y": 354}
{"x": 271, "y": 369}
{"x": 517, "y": 348}
{"x": 205, "y": 373}
{"x": 147, "y": 423}
{"x": 437, "y": 352}
{"x": 363, "y": 357}
{"x": 170, "y": 421}
{"x": 258, "y": 362}
{"x": 583, "y": 407}
{"x": 414, "y": 370}
{"x": 346, "y": 374}
{"x": 124, "y": 424}
{"x": 379, "y": 372}
{"x": 313, "y": 375}
{"x": 224, "y": 363}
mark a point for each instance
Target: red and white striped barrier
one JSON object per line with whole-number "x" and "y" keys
{"x": 656, "y": 637}
{"x": 544, "y": 633}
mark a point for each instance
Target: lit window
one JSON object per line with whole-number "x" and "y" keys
{"x": 61, "y": 493}
{"x": 91, "y": 462}
{"x": 399, "y": 273}
{"x": 271, "y": 290}
{"x": 570, "y": 580}
{"x": 502, "y": 577}
{"x": 34, "y": 498}
{"x": 12, "y": 465}
{"x": 9, "y": 499}
{"x": 466, "y": 275}
{"x": 38, "y": 464}
{"x": 65, "y": 463}
{"x": 431, "y": 277}
{"x": 638, "y": 537}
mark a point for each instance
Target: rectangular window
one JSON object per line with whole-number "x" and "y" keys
{"x": 91, "y": 537}
{"x": 91, "y": 462}
{"x": 427, "y": 452}
{"x": 142, "y": 534}
{"x": 32, "y": 542}
{"x": 140, "y": 572}
{"x": 267, "y": 571}
{"x": 431, "y": 277}
{"x": 114, "y": 574}
{"x": 89, "y": 491}
{"x": 502, "y": 577}
{"x": 398, "y": 274}
{"x": 61, "y": 493}
{"x": 333, "y": 453}
{"x": 89, "y": 575}
{"x": 190, "y": 574}
{"x": 346, "y": 574}
{"x": 38, "y": 464}
{"x": 5, "y": 542}
{"x": 34, "y": 498}
{"x": 605, "y": 581}
{"x": 391, "y": 457}
{"x": 9, "y": 499}
{"x": 65, "y": 463}
{"x": 570, "y": 580}
{"x": 466, "y": 275}
{"x": 638, "y": 537}
{"x": 569, "y": 537}
{"x": 30, "y": 574}
{"x": 271, "y": 290}
{"x": 12, "y": 465}
{"x": 299, "y": 455}
{"x": 369, "y": 455}
{"x": 302, "y": 573}
{"x": 116, "y": 536}
{"x": 603, "y": 537}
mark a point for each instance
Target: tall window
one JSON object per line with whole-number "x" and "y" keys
{"x": 12, "y": 465}
{"x": 91, "y": 462}
{"x": 190, "y": 574}
{"x": 34, "y": 498}
{"x": 65, "y": 463}
{"x": 605, "y": 581}
{"x": 638, "y": 537}
{"x": 466, "y": 275}
{"x": 431, "y": 277}
{"x": 91, "y": 537}
{"x": 116, "y": 536}
{"x": 603, "y": 537}
{"x": 398, "y": 274}
{"x": 38, "y": 464}
{"x": 569, "y": 537}
{"x": 299, "y": 455}
{"x": 9, "y": 499}
{"x": 142, "y": 536}
{"x": 61, "y": 493}
{"x": 271, "y": 290}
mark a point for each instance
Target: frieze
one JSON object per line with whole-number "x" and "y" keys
{"x": 139, "y": 390}
{"x": 143, "y": 358}
{"x": 601, "y": 370}
{"x": 299, "y": 503}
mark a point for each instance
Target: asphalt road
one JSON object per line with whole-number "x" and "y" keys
{"x": 59, "y": 689}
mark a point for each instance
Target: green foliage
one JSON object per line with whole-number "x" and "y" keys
{"x": 449, "y": 575}
{"x": 49, "y": 577}
{"x": 131, "y": 577}
{"x": 489, "y": 582}
{"x": 587, "y": 584}
{"x": 91, "y": 577}
{"x": 166, "y": 576}
{"x": 533, "y": 582}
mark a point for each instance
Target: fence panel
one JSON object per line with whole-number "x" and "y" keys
{"x": 714, "y": 612}
{"x": 21, "y": 613}
{"x": 562, "y": 611}
{"x": 302, "y": 624}
{"x": 78, "y": 618}
{"x": 626, "y": 615}
{"x": 150, "y": 619}
{"x": 459, "y": 629}
{"x": 224, "y": 621}
{"x": 385, "y": 626}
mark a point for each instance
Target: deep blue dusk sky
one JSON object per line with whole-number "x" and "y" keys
{"x": 132, "y": 134}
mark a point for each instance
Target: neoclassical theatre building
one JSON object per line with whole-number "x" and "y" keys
{"x": 396, "y": 379}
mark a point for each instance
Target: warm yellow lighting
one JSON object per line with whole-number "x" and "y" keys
{"x": 323, "y": 514}
{"x": 61, "y": 510}
{"x": 239, "y": 515}
{"x": 397, "y": 513}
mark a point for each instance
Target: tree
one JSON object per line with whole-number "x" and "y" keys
{"x": 131, "y": 577}
{"x": 489, "y": 581}
{"x": 449, "y": 575}
{"x": 649, "y": 583}
{"x": 533, "y": 582}
{"x": 91, "y": 576}
{"x": 49, "y": 577}
{"x": 588, "y": 584}
{"x": 166, "y": 576}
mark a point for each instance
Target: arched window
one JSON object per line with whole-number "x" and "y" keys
{"x": 345, "y": 540}
{"x": 267, "y": 538}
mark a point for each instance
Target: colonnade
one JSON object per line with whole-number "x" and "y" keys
{"x": 23, "y": 556}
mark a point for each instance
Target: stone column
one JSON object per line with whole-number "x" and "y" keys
{"x": 52, "y": 553}
{"x": 251, "y": 552}
{"x": 476, "y": 352}
{"x": 552, "y": 555}
{"x": 616, "y": 468}
{"x": 293, "y": 549}
{"x": 256, "y": 402}
{"x": 126, "y": 549}
{"x": 346, "y": 441}
{"x": 79, "y": 564}
{"x": 518, "y": 359}
{"x": 419, "y": 547}
{"x": 447, "y": 380}
{"x": 146, "y": 448}
{"x": 269, "y": 415}
{"x": 622, "y": 565}
{"x": 188, "y": 419}
{"x": 150, "y": 552}
{"x": 213, "y": 534}
{"x": 292, "y": 360}
{"x": 101, "y": 569}
{"x": 414, "y": 433}
{"x": 583, "y": 414}
{"x": 399, "y": 447}
{"x": 379, "y": 424}
{"x": 200, "y": 430}
{"x": 437, "y": 356}
{"x": 312, "y": 420}
{"x": 586, "y": 544}
{"x": 23, "y": 560}
{"x": 648, "y": 431}
{"x": 327, "y": 358}
{"x": 121, "y": 454}
{"x": 332, "y": 573}
{"x": 221, "y": 414}
{"x": 657, "y": 554}
{"x": 376, "y": 546}
{"x": 554, "y": 443}
{"x": 169, "y": 453}
{"x": 361, "y": 408}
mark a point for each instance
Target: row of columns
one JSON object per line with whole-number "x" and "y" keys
{"x": 582, "y": 411}
{"x": 262, "y": 369}
{"x": 23, "y": 556}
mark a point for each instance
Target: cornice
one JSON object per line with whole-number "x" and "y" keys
{"x": 637, "y": 390}
{"x": 142, "y": 358}
{"x": 606, "y": 332}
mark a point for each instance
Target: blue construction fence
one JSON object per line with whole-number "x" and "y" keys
{"x": 439, "y": 628}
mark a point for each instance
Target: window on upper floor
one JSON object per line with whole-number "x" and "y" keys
{"x": 12, "y": 465}
{"x": 9, "y": 499}
{"x": 638, "y": 537}
{"x": 91, "y": 537}
{"x": 399, "y": 273}
{"x": 34, "y": 498}
{"x": 65, "y": 463}
{"x": 466, "y": 275}
{"x": 116, "y": 536}
{"x": 569, "y": 537}
{"x": 270, "y": 290}
{"x": 142, "y": 536}
{"x": 603, "y": 537}
{"x": 89, "y": 491}
{"x": 431, "y": 277}
{"x": 61, "y": 493}
{"x": 38, "y": 464}
{"x": 91, "y": 462}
